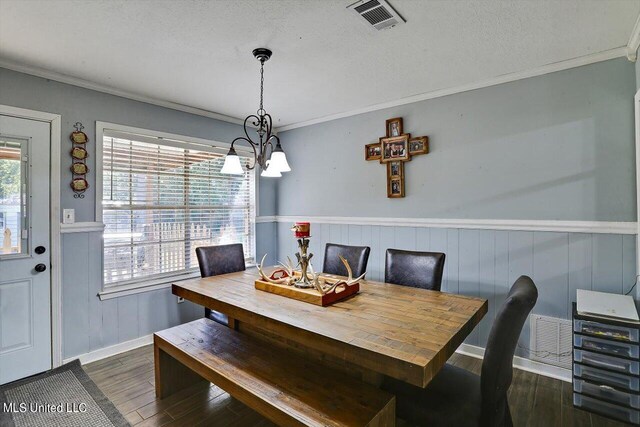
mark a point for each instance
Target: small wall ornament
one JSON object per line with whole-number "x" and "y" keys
{"x": 79, "y": 168}
{"x": 395, "y": 149}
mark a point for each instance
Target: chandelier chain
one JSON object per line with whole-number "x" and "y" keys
{"x": 261, "y": 85}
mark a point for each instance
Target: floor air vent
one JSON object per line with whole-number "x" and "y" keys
{"x": 550, "y": 340}
{"x": 377, "y": 13}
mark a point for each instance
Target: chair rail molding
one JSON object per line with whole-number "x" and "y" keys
{"x": 601, "y": 227}
{"x": 266, "y": 219}
{"x": 81, "y": 227}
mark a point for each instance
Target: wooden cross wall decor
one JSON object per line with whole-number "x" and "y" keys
{"x": 395, "y": 149}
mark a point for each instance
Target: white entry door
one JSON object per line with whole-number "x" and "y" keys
{"x": 25, "y": 281}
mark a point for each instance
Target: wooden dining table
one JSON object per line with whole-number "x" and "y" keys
{"x": 384, "y": 330}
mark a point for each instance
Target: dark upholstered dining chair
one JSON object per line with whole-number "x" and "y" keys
{"x": 455, "y": 396}
{"x": 215, "y": 260}
{"x": 357, "y": 256}
{"x": 415, "y": 269}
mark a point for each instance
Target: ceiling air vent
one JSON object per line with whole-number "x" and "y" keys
{"x": 378, "y": 13}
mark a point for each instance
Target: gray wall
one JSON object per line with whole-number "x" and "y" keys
{"x": 554, "y": 147}
{"x": 558, "y": 146}
{"x": 88, "y": 323}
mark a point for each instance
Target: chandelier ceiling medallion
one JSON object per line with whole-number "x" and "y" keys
{"x": 270, "y": 158}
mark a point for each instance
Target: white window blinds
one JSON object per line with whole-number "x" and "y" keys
{"x": 162, "y": 199}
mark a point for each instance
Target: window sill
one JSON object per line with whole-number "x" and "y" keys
{"x": 145, "y": 286}
{"x": 148, "y": 286}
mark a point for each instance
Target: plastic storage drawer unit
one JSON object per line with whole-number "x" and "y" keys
{"x": 620, "y": 333}
{"x": 621, "y": 413}
{"x": 613, "y": 348}
{"x": 600, "y": 376}
{"x": 606, "y": 362}
{"x": 605, "y": 392}
{"x": 606, "y": 366}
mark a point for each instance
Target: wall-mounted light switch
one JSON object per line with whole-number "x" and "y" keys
{"x": 68, "y": 216}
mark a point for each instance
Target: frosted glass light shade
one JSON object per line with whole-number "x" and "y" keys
{"x": 279, "y": 161}
{"x": 270, "y": 171}
{"x": 232, "y": 164}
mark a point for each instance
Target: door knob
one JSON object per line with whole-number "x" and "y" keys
{"x": 40, "y": 250}
{"x": 40, "y": 268}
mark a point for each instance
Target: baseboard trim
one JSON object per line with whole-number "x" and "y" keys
{"x": 105, "y": 352}
{"x": 522, "y": 363}
{"x": 599, "y": 227}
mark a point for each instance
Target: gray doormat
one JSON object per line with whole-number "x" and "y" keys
{"x": 62, "y": 397}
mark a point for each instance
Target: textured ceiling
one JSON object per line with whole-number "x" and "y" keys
{"x": 325, "y": 61}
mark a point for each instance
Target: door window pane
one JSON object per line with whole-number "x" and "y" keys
{"x": 13, "y": 197}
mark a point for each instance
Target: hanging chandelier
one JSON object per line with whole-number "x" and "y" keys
{"x": 271, "y": 159}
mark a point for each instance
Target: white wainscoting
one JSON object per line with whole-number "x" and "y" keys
{"x": 601, "y": 227}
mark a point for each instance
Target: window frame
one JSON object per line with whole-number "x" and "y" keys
{"x": 25, "y": 200}
{"x": 150, "y": 284}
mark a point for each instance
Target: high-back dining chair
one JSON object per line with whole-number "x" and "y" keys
{"x": 458, "y": 397}
{"x": 415, "y": 269}
{"x": 357, "y": 256}
{"x": 215, "y": 260}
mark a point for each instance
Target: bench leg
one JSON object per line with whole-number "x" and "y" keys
{"x": 171, "y": 375}
{"x": 387, "y": 417}
{"x": 233, "y": 323}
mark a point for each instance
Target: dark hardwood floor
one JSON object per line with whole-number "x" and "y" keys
{"x": 127, "y": 379}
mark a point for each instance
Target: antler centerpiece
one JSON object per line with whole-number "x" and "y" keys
{"x": 323, "y": 284}
{"x": 304, "y": 284}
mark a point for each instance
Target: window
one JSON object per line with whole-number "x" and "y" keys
{"x": 13, "y": 198}
{"x": 161, "y": 199}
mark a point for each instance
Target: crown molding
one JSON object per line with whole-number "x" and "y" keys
{"x": 76, "y": 81}
{"x": 634, "y": 42}
{"x": 623, "y": 51}
{"x": 599, "y": 227}
{"x": 505, "y": 78}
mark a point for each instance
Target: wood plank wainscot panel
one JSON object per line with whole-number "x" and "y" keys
{"x": 405, "y": 333}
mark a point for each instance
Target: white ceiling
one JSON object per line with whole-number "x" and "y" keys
{"x": 325, "y": 61}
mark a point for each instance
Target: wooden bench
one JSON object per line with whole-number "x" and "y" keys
{"x": 281, "y": 385}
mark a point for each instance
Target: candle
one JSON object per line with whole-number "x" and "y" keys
{"x": 301, "y": 230}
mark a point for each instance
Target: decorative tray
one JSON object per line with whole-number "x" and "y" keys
{"x": 319, "y": 290}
